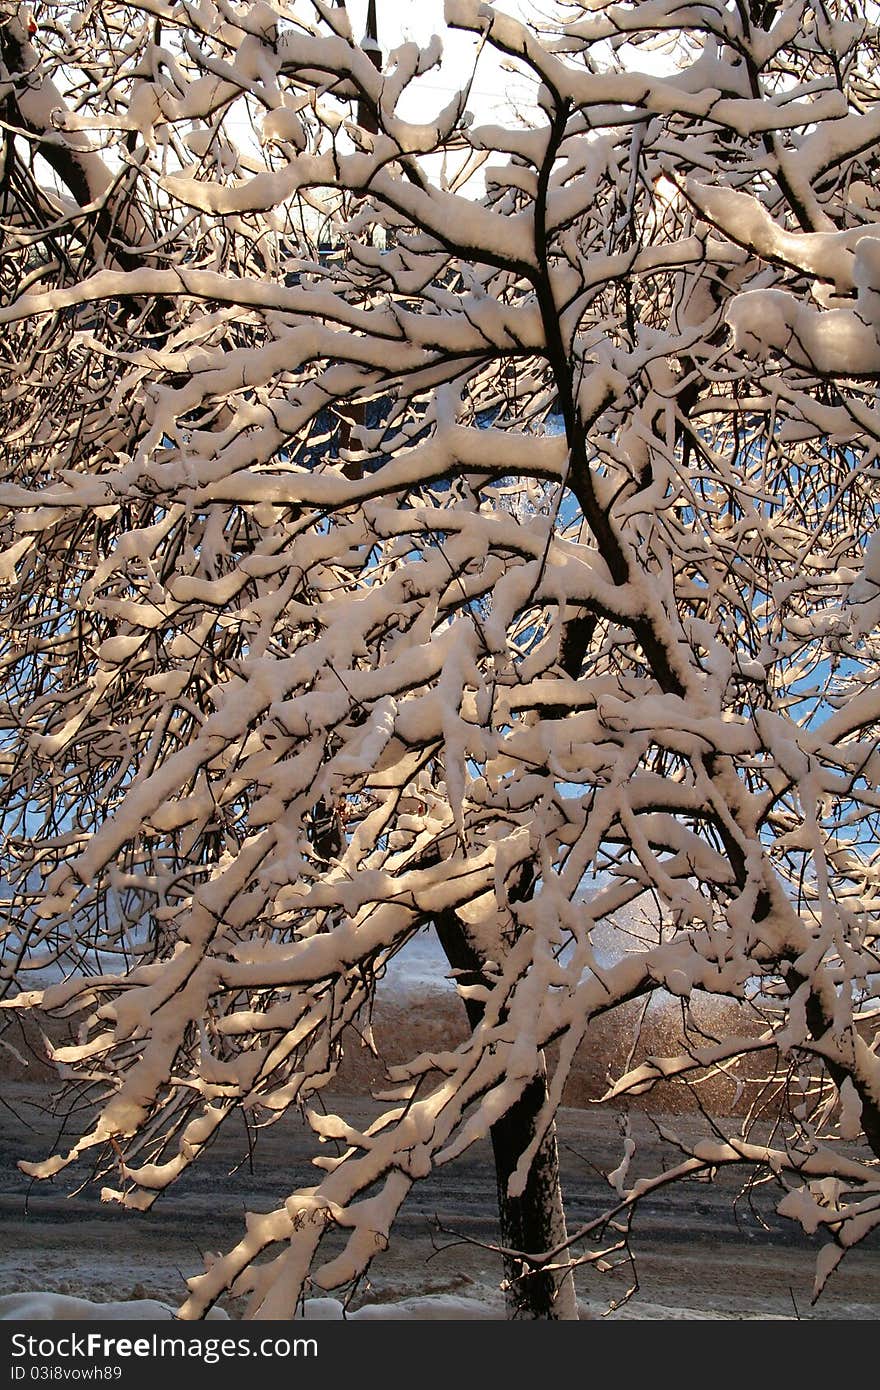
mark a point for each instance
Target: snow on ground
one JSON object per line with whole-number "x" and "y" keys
{"x": 445, "y": 1307}
{"x": 59, "y": 1307}
{"x": 53, "y": 1307}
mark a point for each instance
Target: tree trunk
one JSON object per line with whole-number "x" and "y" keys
{"x": 535, "y": 1221}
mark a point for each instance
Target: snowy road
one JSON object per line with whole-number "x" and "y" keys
{"x": 693, "y": 1257}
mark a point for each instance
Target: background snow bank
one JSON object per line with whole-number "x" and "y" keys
{"x": 420, "y": 966}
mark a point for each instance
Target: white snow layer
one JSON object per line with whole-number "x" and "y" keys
{"x": 55, "y": 1307}
{"x": 62, "y": 1307}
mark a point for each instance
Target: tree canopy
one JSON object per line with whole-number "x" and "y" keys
{"x": 414, "y": 521}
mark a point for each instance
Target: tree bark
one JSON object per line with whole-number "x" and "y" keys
{"x": 535, "y": 1221}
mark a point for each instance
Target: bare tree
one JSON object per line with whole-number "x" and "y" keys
{"x": 379, "y": 552}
